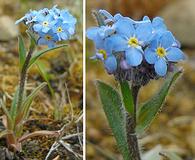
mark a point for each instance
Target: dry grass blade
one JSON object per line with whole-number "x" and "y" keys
{"x": 39, "y": 133}
{"x": 69, "y": 148}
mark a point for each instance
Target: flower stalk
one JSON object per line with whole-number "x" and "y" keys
{"x": 132, "y": 139}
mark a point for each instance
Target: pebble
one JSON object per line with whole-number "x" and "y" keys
{"x": 8, "y": 29}
{"x": 180, "y": 19}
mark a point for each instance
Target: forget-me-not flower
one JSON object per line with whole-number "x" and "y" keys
{"x": 103, "y": 47}
{"x": 45, "y": 23}
{"x": 130, "y": 40}
{"x": 161, "y": 51}
{"x": 60, "y": 29}
{"x": 49, "y": 39}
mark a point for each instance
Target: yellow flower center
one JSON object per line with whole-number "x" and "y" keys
{"x": 59, "y": 29}
{"x": 133, "y": 42}
{"x": 161, "y": 52}
{"x": 45, "y": 23}
{"x": 48, "y": 37}
{"x": 103, "y": 52}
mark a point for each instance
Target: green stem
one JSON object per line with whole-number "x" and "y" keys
{"x": 131, "y": 125}
{"x": 23, "y": 76}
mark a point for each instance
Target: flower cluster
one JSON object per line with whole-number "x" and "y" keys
{"x": 134, "y": 50}
{"x": 51, "y": 25}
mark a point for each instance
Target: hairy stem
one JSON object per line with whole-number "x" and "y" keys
{"x": 23, "y": 76}
{"x": 130, "y": 127}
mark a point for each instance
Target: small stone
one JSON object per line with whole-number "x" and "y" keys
{"x": 8, "y": 29}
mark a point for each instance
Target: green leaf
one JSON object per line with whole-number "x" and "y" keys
{"x": 115, "y": 114}
{"x": 42, "y": 52}
{"x": 148, "y": 111}
{"x": 22, "y": 51}
{"x": 127, "y": 96}
{"x": 32, "y": 40}
{"x": 7, "y": 114}
{"x": 45, "y": 76}
{"x": 13, "y": 110}
{"x": 27, "y": 103}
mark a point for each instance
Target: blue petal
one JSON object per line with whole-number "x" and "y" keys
{"x": 99, "y": 42}
{"x": 64, "y": 36}
{"x": 118, "y": 42}
{"x": 110, "y": 64}
{"x": 41, "y": 41}
{"x": 146, "y": 18}
{"x": 117, "y": 17}
{"x": 150, "y": 56}
{"x": 108, "y": 47}
{"x": 144, "y": 32}
{"x": 159, "y": 25}
{"x": 176, "y": 44}
{"x": 92, "y": 32}
{"x": 125, "y": 27}
{"x": 175, "y": 54}
{"x": 167, "y": 40}
{"x": 154, "y": 45}
{"x": 99, "y": 56}
{"x": 45, "y": 29}
{"x": 133, "y": 56}
{"x": 37, "y": 27}
{"x": 51, "y": 44}
{"x": 160, "y": 67}
{"x": 106, "y": 31}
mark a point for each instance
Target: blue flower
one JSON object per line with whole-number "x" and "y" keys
{"x": 45, "y": 23}
{"x": 69, "y": 21}
{"x": 103, "y": 47}
{"x": 48, "y": 39}
{"x": 131, "y": 39}
{"x": 104, "y": 53}
{"x": 60, "y": 29}
{"x": 161, "y": 51}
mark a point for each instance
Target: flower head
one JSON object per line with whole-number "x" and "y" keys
{"x": 51, "y": 25}
{"x": 137, "y": 51}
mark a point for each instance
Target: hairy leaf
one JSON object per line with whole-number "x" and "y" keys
{"x": 45, "y": 76}
{"x": 148, "y": 111}
{"x": 42, "y": 52}
{"x": 13, "y": 110}
{"x": 32, "y": 40}
{"x": 22, "y": 51}
{"x": 9, "y": 121}
{"x": 115, "y": 114}
{"x": 27, "y": 103}
{"x": 127, "y": 97}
